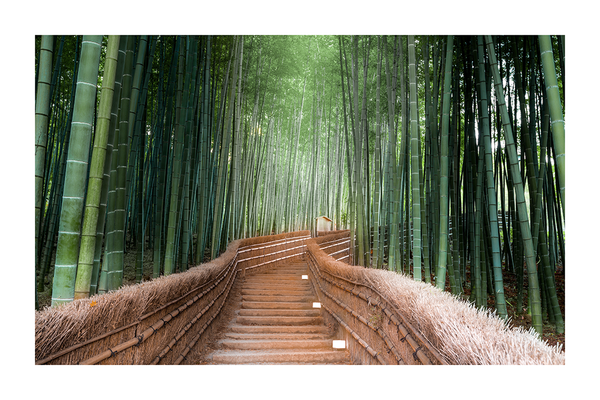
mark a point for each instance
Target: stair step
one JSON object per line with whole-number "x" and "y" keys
{"x": 280, "y": 356}
{"x": 277, "y": 286}
{"x": 273, "y": 298}
{"x": 276, "y": 277}
{"x": 276, "y": 305}
{"x": 276, "y": 336}
{"x": 277, "y": 292}
{"x": 277, "y": 283}
{"x": 280, "y": 312}
{"x": 259, "y": 344}
{"x": 278, "y": 328}
{"x": 278, "y": 320}
{"x": 301, "y": 271}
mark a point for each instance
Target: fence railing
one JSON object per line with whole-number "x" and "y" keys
{"x": 374, "y": 330}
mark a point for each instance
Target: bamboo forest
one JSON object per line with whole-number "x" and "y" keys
{"x": 444, "y": 156}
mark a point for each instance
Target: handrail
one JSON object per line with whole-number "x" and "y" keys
{"x": 271, "y": 244}
{"x": 341, "y": 241}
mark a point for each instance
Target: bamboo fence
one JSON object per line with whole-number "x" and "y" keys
{"x": 160, "y": 321}
{"x": 388, "y": 318}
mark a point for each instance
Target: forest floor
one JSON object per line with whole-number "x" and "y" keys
{"x": 517, "y": 318}
{"x": 520, "y": 317}
{"x": 523, "y": 319}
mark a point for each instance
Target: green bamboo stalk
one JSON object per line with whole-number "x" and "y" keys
{"x": 477, "y": 270}
{"x": 454, "y": 182}
{"x": 415, "y": 142}
{"x": 539, "y": 238}
{"x": 358, "y": 144}
{"x": 162, "y": 192}
{"x": 435, "y": 156}
{"x": 402, "y": 177}
{"x": 534, "y": 293}
{"x": 96, "y": 174}
{"x": 556, "y": 111}
{"x": 138, "y": 73}
{"x": 491, "y": 192}
{"x": 390, "y": 198}
{"x": 237, "y": 153}
{"x": 190, "y": 111}
{"x": 377, "y": 254}
{"x": 108, "y": 162}
{"x": 443, "y": 227}
{"x": 115, "y": 251}
{"x": 218, "y": 221}
{"x": 77, "y": 165}
{"x": 169, "y": 265}
{"x": 428, "y": 173}
{"x": 348, "y": 159}
{"x": 158, "y": 160}
{"x": 42, "y": 112}
{"x": 204, "y": 154}
{"x": 60, "y": 128}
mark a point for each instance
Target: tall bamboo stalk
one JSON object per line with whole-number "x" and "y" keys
{"x": 69, "y": 232}
{"x": 556, "y": 111}
{"x": 96, "y": 174}
{"x": 534, "y": 293}
{"x": 443, "y": 227}
{"x": 491, "y": 192}
{"x": 415, "y": 168}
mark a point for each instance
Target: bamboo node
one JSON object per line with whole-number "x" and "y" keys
{"x": 415, "y": 353}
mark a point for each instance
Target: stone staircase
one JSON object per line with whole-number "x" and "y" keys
{"x": 277, "y": 323}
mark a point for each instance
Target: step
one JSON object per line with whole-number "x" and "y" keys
{"x": 284, "y": 271}
{"x": 276, "y": 336}
{"x": 278, "y": 328}
{"x": 276, "y": 286}
{"x": 280, "y": 356}
{"x": 278, "y": 292}
{"x": 247, "y": 312}
{"x": 275, "y": 277}
{"x": 260, "y": 344}
{"x": 278, "y": 320}
{"x": 280, "y": 283}
{"x": 273, "y": 298}
{"x": 276, "y": 282}
{"x": 277, "y": 305}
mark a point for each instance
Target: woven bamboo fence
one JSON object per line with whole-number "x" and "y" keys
{"x": 388, "y": 318}
{"x": 374, "y": 330}
{"x": 160, "y": 321}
